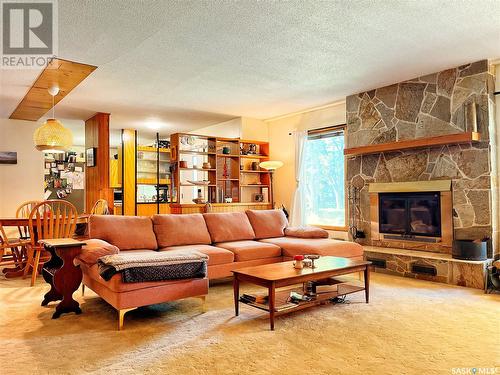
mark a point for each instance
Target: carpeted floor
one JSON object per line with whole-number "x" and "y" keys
{"x": 409, "y": 327}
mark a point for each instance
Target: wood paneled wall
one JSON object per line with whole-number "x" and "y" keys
{"x": 97, "y": 178}
{"x": 129, "y": 185}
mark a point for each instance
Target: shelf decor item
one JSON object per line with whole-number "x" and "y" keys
{"x": 471, "y": 116}
{"x": 225, "y": 173}
{"x": 202, "y": 182}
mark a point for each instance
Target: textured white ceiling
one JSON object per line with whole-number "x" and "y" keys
{"x": 189, "y": 64}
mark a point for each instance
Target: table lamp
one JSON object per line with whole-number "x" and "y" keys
{"x": 271, "y": 166}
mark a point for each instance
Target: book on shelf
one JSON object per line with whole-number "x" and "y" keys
{"x": 265, "y": 195}
{"x": 255, "y": 298}
{"x": 286, "y": 306}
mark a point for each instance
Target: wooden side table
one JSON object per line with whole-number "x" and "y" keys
{"x": 62, "y": 275}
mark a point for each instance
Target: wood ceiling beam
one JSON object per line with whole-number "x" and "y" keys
{"x": 63, "y": 73}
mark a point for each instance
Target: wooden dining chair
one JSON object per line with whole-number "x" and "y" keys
{"x": 100, "y": 207}
{"x": 16, "y": 247}
{"x": 47, "y": 220}
{"x": 24, "y": 211}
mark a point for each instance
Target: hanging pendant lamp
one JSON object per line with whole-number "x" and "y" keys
{"x": 52, "y": 136}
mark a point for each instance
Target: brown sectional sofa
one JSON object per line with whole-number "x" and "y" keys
{"x": 231, "y": 240}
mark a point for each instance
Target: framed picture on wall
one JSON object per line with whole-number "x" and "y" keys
{"x": 8, "y": 157}
{"x": 90, "y": 157}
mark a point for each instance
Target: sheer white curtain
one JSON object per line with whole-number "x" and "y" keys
{"x": 297, "y": 216}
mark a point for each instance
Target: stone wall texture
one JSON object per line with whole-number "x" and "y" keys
{"x": 423, "y": 107}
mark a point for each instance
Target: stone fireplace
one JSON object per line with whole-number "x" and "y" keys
{"x": 428, "y": 106}
{"x": 434, "y": 112}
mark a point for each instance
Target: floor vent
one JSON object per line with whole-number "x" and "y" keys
{"x": 379, "y": 263}
{"x": 424, "y": 270}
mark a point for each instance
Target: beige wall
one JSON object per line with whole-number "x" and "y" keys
{"x": 228, "y": 129}
{"x": 254, "y": 130}
{"x": 240, "y": 127}
{"x": 22, "y": 181}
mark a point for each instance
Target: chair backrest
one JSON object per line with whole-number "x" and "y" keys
{"x": 24, "y": 211}
{"x": 100, "y": 208}
{"x": 52, "y": 219}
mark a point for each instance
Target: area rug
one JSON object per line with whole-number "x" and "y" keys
{"x": 409, "y": 327}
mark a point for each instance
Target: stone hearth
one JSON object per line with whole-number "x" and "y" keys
{"x": 400, "y": 262}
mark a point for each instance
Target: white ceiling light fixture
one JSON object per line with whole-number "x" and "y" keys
{"x": 155, "y": 124}
{"x": 52, "y": 136}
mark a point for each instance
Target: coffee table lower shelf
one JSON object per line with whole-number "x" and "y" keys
{"x": 282, "y": 305}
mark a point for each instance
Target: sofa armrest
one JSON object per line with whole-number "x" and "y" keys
{"x": 94, "y": 249}
{"x": 306, "y": 232}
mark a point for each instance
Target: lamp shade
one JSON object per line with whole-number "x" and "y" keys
{"x": 52, "y": 137}
{"x": 271, "y": 165}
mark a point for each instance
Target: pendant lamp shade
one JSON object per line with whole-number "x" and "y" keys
{"x": 52, "y": 137}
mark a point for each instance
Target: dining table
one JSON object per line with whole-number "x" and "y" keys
{"x": 21, "y": 262}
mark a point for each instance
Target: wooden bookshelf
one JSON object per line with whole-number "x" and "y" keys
{"x": 153, "y": 149}
{"x": 231, "y": 174}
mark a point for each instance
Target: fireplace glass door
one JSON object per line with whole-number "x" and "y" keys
{"x": 417, "y": 214}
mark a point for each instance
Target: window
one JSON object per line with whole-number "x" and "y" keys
{"x": 323, "y": 178}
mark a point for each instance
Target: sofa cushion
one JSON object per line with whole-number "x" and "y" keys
{"x": 267, "y": 223}
{"x": 216, "y": 255}
{"x": 322, "y": 246}
{"x": 175, "y": 230}
{"x": 125, "y": 232}
{"x": 306, "y": 232}
{"x": 229, "y": 226}
{"x": 250, "y": 250}
{"x": 94, "y": 249}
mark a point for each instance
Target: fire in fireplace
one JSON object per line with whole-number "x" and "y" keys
{"x": 410, "y": 214}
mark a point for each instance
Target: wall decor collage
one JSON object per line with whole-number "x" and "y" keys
{"x": 64, "y": 178}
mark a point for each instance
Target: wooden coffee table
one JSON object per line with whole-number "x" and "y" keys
{"x": 279, "y": 275}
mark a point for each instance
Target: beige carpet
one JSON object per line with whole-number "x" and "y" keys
{"x": 409, "y": 327}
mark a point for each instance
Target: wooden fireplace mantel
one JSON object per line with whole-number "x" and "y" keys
{"x": 414, "y": 143}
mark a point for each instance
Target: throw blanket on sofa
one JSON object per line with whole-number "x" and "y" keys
{"x": 153, "y": 266}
